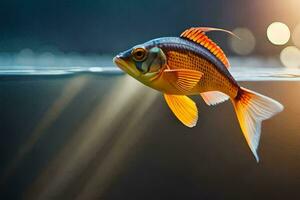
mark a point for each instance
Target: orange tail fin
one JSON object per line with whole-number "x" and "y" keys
{"x": 251, "y": 109}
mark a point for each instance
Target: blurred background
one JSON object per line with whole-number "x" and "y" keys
{"x": 91, "y": 135}
{"x": 47, "y": 30}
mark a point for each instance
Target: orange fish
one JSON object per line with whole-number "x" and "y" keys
{"x": 193, "y": 64}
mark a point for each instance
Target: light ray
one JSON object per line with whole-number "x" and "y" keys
{"x": 110, "y": 166}
{"x": 88, "y": 140}
{"x": 68, "y": 93}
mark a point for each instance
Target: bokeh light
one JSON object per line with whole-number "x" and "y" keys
{"x": 290, "y": 57}
{"x": 296, "y": 36}
{"x": 246, "y": 44}
{"x": 278, "y": 33}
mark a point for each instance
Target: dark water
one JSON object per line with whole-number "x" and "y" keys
{"x": 109, "y": 137}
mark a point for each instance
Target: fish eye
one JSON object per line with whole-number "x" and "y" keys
{"x": 139, "y": 54}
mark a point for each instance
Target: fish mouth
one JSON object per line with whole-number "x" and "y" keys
{"x": 119, "y": 62}
{"x": 124, "y": 66}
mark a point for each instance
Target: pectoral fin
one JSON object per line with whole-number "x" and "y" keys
{"x": 214, "y": 97}
{"x": 184, "y": 109}
{"x": 183, "y": 79}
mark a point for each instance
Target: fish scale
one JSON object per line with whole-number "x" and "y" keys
{"x": 212, "y": 79}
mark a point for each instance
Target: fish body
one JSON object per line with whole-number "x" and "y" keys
{"x": 193, "y": 64}
{"x": 184, "y": 54}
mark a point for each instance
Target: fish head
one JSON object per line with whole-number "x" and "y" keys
{"x": 142, "y": 62}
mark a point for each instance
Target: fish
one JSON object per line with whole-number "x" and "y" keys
{"x": 193, "y": 64}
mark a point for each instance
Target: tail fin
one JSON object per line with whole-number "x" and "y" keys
{"x": 251, "y": 109}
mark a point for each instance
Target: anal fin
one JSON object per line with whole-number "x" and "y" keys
{"x": 184, "y": 109}
{"x": 214, "y": 97}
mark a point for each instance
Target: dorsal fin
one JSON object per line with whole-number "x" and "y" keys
{"x": 197, "y": 35}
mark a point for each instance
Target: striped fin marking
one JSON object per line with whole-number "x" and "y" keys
{"x": 197, "y": 35}
{"x": 183, "y": 79}
{"x": 251, "y": 109}
{"x": 183, "y": 108}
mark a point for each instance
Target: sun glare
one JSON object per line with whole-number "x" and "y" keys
{"x": 278, "y": 33}
{"x": 246, "y": 44}
{"x": 290, "y": 57}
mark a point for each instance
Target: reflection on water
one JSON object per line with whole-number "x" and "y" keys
{"x": 33, "y": 71}
{"x": 239, "y": 73}
{"x": 250, "y": 69}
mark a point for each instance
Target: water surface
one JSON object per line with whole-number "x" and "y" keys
{"x": 247, "y": 69}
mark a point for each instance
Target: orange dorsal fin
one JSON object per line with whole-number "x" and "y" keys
{"x": 197, "y": 35}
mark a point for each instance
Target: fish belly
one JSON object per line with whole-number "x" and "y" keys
{"x": 212, "y": 80}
